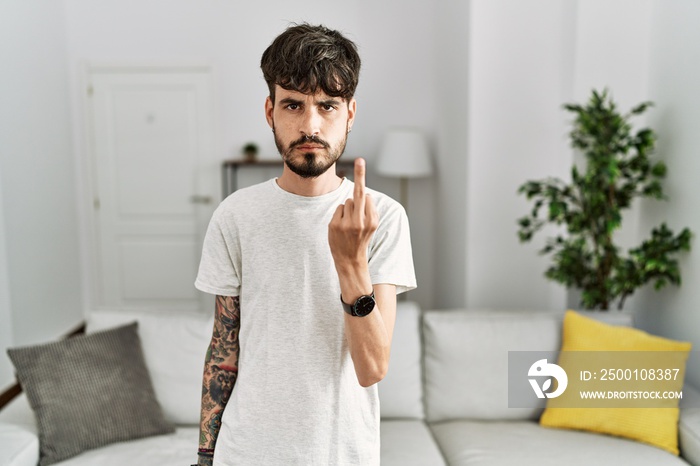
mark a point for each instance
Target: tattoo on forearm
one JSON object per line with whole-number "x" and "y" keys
{"x": 226, "y": 328}
{"x": 221, "y": 368}
{"x": 213, "y": 424}
{"x": 221, "y": 384}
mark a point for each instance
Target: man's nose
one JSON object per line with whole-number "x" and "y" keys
{"x": 310, "y": 122}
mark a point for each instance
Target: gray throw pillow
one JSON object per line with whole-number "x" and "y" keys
{"x": 89, "y": 391}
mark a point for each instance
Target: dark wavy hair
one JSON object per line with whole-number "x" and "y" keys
{"x": 306, "y": 58}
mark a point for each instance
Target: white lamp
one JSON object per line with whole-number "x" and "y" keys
{"x": 404, "y": 154}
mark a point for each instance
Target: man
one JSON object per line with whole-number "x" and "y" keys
{"x": 295, "y": 373}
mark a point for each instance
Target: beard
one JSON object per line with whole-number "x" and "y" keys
{"x": 312, "y": 164}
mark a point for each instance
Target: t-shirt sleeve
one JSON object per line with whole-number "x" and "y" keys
{"x": 390, "y": 253}
{"x": 219, "y": 267}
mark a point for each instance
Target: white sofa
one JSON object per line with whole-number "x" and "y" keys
{"x": 444, "y": 401}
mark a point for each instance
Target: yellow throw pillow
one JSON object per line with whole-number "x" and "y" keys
{"x": 654, "y": 426}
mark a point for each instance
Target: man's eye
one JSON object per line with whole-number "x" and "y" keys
{"x": 328, "y": 107}
{"x": 293, "y": 106}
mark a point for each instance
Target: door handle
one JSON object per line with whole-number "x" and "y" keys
{"x": 199, "y": 199}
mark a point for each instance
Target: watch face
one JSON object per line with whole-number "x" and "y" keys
{"x": 364, "y": 305}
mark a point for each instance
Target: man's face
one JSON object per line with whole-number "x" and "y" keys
{"x": 310, "y": 129}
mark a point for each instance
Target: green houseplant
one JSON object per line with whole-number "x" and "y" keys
{"x": 250, "y": 152}
{"x": 617, "y": 170}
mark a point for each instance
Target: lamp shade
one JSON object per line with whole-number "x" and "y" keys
{"x": 404, "y": 153}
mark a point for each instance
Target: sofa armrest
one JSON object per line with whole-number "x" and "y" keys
{"x": 18, "y": 446}
{"x": 689, "y": 426}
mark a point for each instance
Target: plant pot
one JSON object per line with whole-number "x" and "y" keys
{"x": 612, "y": 316}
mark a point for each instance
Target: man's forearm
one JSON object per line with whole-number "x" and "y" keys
{"x": 369, "y": 337}
{"x": 220, "y": 373}
{"x": 369, "y": 345}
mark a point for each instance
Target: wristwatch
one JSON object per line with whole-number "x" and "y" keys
{"x": 362, "y": 306}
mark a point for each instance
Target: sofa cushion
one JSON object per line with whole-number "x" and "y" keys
{"x": 401, "y": 391}
{"x": 179, "y": 449}
{"x": 689, "y": 433}
{"x": 408, "y": 443}
{"x": 654, "y": 425}
{"x": 18, "y": 446}
{"x": 688, "y": 424}
{"x": 466, "y": 360}
{"x": 19, "y": 413}
{"x": 174, "y": 346}
{"x": 89, "y": 391}
{"x": 505, "y": 443}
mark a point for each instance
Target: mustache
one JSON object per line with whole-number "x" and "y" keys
{"x": 313, "y": 139}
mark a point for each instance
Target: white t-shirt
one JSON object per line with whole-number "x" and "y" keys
{"x": 297, "y": 400}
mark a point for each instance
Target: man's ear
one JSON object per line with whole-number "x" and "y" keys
{"x": 269, "y": 108}
{"x": 352, "y": 109}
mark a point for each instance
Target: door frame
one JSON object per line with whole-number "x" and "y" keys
{"x": 87, "y": 192}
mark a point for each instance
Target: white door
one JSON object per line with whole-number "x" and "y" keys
{"x": 155, "y": 184}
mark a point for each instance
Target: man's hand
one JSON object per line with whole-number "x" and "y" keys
{"x": 352, "y": 227}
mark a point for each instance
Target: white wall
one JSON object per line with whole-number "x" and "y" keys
{"x": 527, "y": 59}
{"x": 37, "y": 174}
{"x": 6, "y": 340}
{"x": 229, "y": 35}
{"x": 674, "y": 77}
{"x": 395, "y": 40}
{"x": 519, "y": 75}
{"x": 612, "y": 49}
{"x": 452, "y": 97}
